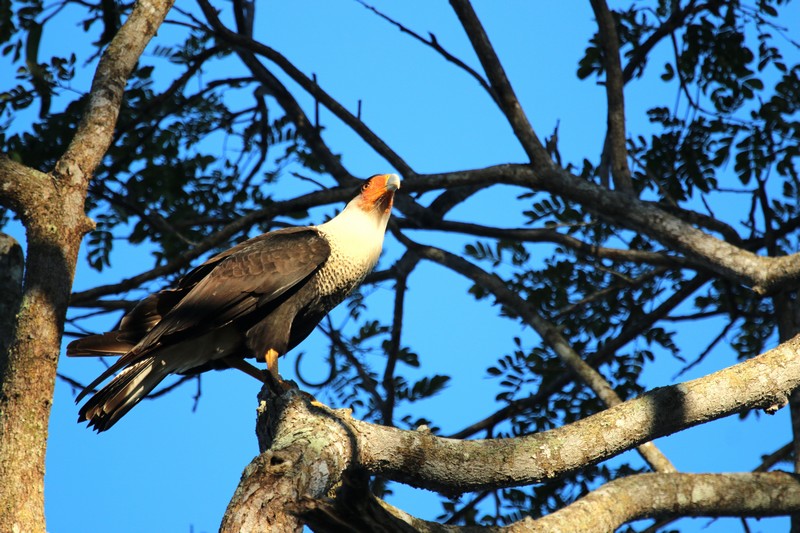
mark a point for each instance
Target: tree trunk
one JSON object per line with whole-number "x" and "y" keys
{"x": 51, "y": 206}
{"x": 28, "y": 368}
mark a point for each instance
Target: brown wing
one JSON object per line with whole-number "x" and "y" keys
{"x": 252, "y": 275}
{"x": 232, "y": 285}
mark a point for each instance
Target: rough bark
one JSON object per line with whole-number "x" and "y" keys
{"x": 11, "y": 268}
{"x": 603, "y": 510}
{"x": 27, "y": 375}
{"x": 308, "y": 449}
{"x": 424, "y": 460}
{"x": 305, "y": 450}
{"x": 51, "y": 206}
{"x": 668, "y": 495}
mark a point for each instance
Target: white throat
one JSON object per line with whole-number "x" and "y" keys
{"x": 357, "y": 234}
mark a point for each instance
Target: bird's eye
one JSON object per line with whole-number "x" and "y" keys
{"x": 365, "y": 186}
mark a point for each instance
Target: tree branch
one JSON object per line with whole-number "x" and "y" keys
{"x": 433, "y": 43}
{"x": 616, "y": 136}
{"x": 507, "y": 100}
{"x": 96, "y": 129}
{"x": 52, "y": 208}
{"x": 307, "y": 448}
{"x": 764, "y": 274}
{"x": 453, "y": 466}
{"x": 551, "y": 235}
{"x": 658, "y": 495}
{"x": 12, "y": 263}
{"x": 550, "y": 335}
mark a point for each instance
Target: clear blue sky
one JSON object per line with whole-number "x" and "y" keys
{"x": 167, "y": 469}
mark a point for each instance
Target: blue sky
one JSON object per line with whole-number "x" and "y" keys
{"x": 165, "y": 468}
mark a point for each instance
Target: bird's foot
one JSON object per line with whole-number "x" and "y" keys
{"x": 278, "y": 385}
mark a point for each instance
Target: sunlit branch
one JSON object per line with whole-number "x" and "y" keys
{"x": 756, "y": 383}
{"x": 656, "y": 495}
{"x": 630, "y": 331}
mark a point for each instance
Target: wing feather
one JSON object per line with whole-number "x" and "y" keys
{"x": 226, "y": 288}
{"x": 245, "y": 278}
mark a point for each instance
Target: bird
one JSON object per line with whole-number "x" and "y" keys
{"x": 259, "y": 299}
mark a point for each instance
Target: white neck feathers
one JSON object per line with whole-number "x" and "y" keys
{"x": 357, "y": 234}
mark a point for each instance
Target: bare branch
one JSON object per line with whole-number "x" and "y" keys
{"x": 455, "y": 466}
{"x": 551, "y": 235}
{"x": 616, "y": 136}
{"x": 764, "y": 274}
{"x": 507, "y": 100}
{"x": 549, "y": 333}
{"x": 657, "y": 495}
{"x": 310, "y": 86}
{"x": 433, "y": 43}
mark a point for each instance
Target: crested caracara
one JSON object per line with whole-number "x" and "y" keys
{"x": 259, "y": 299}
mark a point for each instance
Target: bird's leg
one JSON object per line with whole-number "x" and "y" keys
{"x": 240, "y": 364}
{"x": 274, "y": 379}
{"x": 271, "y": 358}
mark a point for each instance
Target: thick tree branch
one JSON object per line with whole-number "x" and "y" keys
{"x": 452, "y": 466}
{"x": 308, "y": 448}
{"x": 659, "y": 495}
{"x": 12, "y": 264}
{"x": 305, "y": 450}
{"x": 52, "y": 208}
{"x": 604, "y": 509}
{"x": 22, "y": 187}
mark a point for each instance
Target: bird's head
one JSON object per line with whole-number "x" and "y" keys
{"x": 358, "y": 230}
{"x": 377, "y": 193}
{"x": 365, "y": 217}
